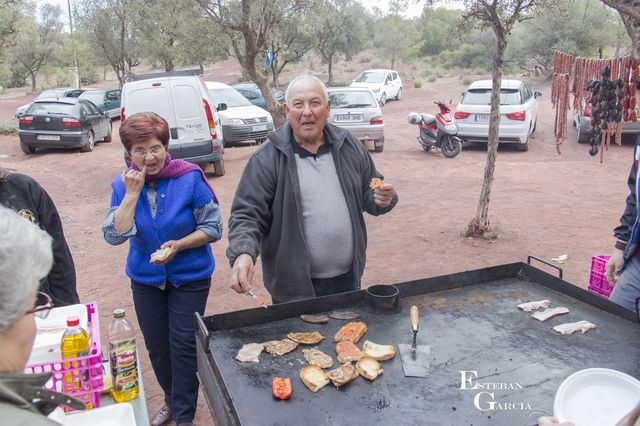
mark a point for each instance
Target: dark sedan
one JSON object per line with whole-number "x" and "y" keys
{"x": 63, "y": 123}
{"x": 254, "y": 95}
{"x": 107, "y": 101}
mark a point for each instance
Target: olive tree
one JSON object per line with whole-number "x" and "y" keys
{"x": 629, "y": 11}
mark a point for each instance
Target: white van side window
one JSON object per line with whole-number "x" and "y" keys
{"x": 187, "y": 103}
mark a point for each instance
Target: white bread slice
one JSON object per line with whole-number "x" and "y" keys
{"x": 378, "y": 352}
{"x": 161, "y": 255}
{"x": 313, "y": 377}
{"x": 369, "y": 368}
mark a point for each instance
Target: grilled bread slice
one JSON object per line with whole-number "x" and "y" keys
{"x": 313, "y": 377}
{"x": 306, "y": 337}
{"x": 161, "y": 255}
{"x": 317, "y": 357}
{"x": 369, "y": 368}
{"x": 378, "y": 352}
{"x": 347, "y": 352}
{"x": 352, "y": 332}
{"x": 343, "y": 374}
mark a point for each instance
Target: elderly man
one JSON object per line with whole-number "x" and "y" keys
{"x": 299, "y": 204}
{"x": 25, "y": 258}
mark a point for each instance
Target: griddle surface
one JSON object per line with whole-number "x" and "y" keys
{"x": 473, "y": 328}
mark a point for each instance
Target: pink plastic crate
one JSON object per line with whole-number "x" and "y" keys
{"x": 598, "y": 283}
{"x": 78, "y": 377}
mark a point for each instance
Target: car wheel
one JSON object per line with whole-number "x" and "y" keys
{"x": 109, "y": 136}
{"x": 218, "y": 167}
{"x": 26, "y": 148}
{"x": 583, "y": 137}
{"x": 523, "y": 146}
{"x": 535, "y": 123}
{"x": 89, "y": 144}
{"x": 399, "y": 94}
{"x": 378, "y": 146}
{"x": 383, "y": 99}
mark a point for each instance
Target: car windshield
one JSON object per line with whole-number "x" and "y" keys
{"x": 95, "y": 97}
{"x": 350, "y": 99}
{"x": 50, "y": 108}
{"x": 370, "y": 77}
{"x": 231, "y": 97}
{"x": 483, "y": 97}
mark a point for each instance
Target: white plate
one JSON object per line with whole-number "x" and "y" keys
{"x": 120, "y": 414}
{"x": 596, "y": 397}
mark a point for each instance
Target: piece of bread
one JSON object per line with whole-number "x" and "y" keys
{"x": 376, "y": 183}
{"x": 317, "y": 357}
{"x": 352, "y": 332}
{"x": 343, "y": 374}
{"x": 161, "y": 255}
{"x": 378, "y": 352}
{"x": 369, "y": 368}
{"x": 313, "y": 377}
{"x": 306, "y": 337}
{"x": 347, "y": 351}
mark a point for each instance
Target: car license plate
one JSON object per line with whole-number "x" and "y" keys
{"x": 260, "y": 128}
{"x": 349, "y": 117}
{"x": 48, "y": 137}
{"x": 482, "y": 118}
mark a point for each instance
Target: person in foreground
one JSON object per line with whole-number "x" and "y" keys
{"x": 25, "y": 258}
{"x": 24, "y": 195}
{"x": 160, "y": 203}
{"x": 300, "y": 202}
{"x": 623, "y": 267}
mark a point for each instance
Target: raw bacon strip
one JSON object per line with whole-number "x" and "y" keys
{"x": 250, "y": 352}
{"x": 550, "y": 313}
{"x": 534, "y": 306}
{"x": 572, "y": 327}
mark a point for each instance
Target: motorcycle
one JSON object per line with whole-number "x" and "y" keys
{"x": 438, "y": 130}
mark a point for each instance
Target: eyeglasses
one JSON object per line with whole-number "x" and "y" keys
{"x": 41, "y": 306}
{"x": 139, "y": 152}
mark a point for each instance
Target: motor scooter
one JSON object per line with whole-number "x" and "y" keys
{"x": 438, "y": 131}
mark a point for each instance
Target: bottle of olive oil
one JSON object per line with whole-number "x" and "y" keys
{"x": 123, "y": 358}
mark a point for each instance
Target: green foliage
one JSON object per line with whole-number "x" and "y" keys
{"x": 8, "y": 128}
{"x": 439, "y": 30}
{"x": 417, "y": 84}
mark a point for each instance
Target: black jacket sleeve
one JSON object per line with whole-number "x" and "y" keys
{"x": 628, "y": 219}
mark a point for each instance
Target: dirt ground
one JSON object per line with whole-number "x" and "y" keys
{"x": 543, "y": 204}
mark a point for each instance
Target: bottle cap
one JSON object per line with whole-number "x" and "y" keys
{"x": 73, "y": 321}
{"x": 118, "y": 313}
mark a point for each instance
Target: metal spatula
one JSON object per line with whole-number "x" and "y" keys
{"x": 415, "y": 358}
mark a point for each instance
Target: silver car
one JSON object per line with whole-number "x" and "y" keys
{"x": 357, "y": 110}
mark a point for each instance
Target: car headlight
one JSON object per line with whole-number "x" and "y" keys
{"x": 269, "y": 118}
{"x": 237, "y": 121}
{"x": 376, "y": 89}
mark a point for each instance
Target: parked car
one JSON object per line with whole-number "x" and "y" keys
{"x": 518, "y": 113}
{"x": 582, "y": 123}
{"x": 181, "y": 98}
{"x": 254, "y": 95}
{"x": 357, "y": 110}
{"x": 241, "y": 120}
{"x": 107, "y": 100}
{"x": 63, "y": 123}
{"x": 62, "y": 92}
{"x": 385, "y": 84}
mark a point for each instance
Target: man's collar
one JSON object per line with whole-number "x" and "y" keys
{"x": 304, "y": 153}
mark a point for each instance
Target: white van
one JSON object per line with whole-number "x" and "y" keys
{"x": 181, "y": 98}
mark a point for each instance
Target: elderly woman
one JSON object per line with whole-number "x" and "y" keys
{"x": 25, "y": 258}
{"x": 160, "y": 203}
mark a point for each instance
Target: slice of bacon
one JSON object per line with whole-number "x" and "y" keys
{"x": 572, "y": 327}
{"x": 534, "y": 306}
{"x": 550, "y": 313}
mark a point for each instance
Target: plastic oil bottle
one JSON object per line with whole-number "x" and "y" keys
{"x": 123, "y": 358}
{"x": 74, "y": 344}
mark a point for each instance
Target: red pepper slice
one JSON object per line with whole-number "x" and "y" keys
{"x": 281, "y": 387}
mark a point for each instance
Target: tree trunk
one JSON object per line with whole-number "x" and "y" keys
{"x": 393, "y": 60}
{"x": 630, "y": 15}
{"x": 276, "y": 111}
{"x": 330, "y": 66}
{"x": 480, "y": 225}
{"x": 168, "y": 64}
{"x": 33, "y": 81}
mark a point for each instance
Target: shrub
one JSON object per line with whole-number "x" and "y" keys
{"x": 364, "y": 59}
{"x": 432, "y": 78}
{"x": 8, "y": 128}
{"x": 417, "y": 84}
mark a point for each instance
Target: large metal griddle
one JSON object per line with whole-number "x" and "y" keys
{"x": 471, "y": 321}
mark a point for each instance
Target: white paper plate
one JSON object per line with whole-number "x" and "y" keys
{"x": 596, "y": 397}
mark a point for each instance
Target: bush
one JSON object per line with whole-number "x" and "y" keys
{"x": 364, "y": 59}
{"x": 432, "y": 78}
{"x": 8, "y": 128}
{"x": 417, "y": 84}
